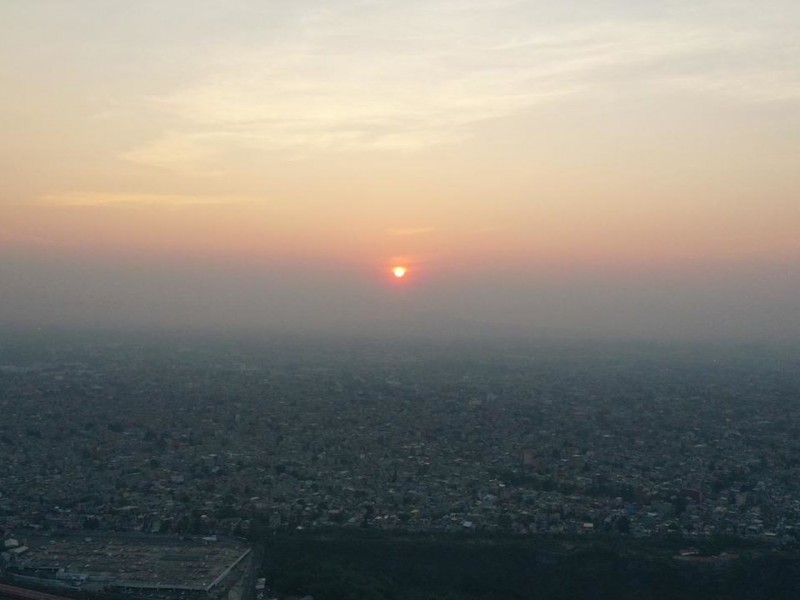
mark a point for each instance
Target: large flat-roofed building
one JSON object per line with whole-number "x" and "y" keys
{"x": 151, "y": 566}
{"x": 9, "y": 592}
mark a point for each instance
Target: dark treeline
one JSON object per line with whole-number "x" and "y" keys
{"x": 376, "y": 566}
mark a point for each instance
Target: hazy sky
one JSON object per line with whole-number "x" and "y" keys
{"x": 599, "y": 167}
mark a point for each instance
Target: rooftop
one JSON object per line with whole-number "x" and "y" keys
{"x": 141, "y": 562}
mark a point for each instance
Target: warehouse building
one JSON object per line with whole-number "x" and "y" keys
{"x": 136, "y": 565}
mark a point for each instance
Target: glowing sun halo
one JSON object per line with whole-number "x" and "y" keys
{"x": 399, "y": 271}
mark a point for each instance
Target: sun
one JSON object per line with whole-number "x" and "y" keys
{"x": 399, "y": 271}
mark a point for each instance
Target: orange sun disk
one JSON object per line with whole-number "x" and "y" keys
{"x": 399, "y": 271}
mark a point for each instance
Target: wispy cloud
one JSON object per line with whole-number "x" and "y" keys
{"x": 367, "y": 76}
{"x": 98, "y": 199}
{"x": 179, "y": 150}
{"x": 752, "y": 86}
{"x": 411, "y": 231}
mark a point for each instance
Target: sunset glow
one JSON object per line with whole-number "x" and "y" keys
{"x": 544, "y": 163}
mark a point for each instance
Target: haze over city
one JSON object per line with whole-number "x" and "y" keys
{"x": 600, "y": 169}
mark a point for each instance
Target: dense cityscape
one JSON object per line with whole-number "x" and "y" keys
{"x": 421, "y": 300}
{"x": 225, "y": 438}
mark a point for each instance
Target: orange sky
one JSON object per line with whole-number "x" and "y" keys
{"x": 487, "y": 140}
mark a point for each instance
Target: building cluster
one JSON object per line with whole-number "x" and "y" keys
{"x": 224, "y": 440}
{"x": 136, "y": 565}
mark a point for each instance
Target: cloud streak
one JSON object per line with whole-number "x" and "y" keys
{"x": 411, "y": 231}
{"x": 98, "y": 199}
{"x": 369, "y": 77}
